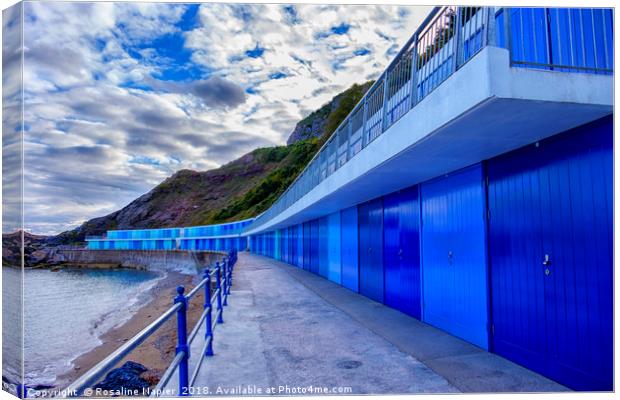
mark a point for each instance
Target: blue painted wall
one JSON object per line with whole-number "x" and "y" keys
{"x": 349, "y": 248}
{"x": 323, "y": 248}
{"x": 454, "y": 255}
{"x": 289, "y": 245}
{"x": 314, "y": 246}
{"x": 293, "y": 244}
{"x": 277, "y": 245}
{"x": 370, "y": 216}
{"x": 300, "y": 246}
{"x": 307, "y": 245}
{"x": 555, "y": 199}
{"x": 334, "y": 272}
{"x": 285, "y": 245}
{"x": 401, "y": 254}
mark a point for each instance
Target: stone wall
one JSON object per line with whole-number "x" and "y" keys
{"x": 162, "y": 260}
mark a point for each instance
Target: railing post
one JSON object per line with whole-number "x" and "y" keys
{"x": 218, "y": 277}
{"x": 507, "y": 31}
{"x": 414, "y": 72}
{"x": 225, "y": 264}
{"x": 349, "y": 132}
{"x": 490, "y": 26}
{"x": 232, "y": 258}
{"x": 386, "y": 84}
{"x": 209, "y": 319}
{"x": 182, "y": 342}
{"x": 230, "y": 275}
{"x": 458, "y": 51}
{"x": 364, "y": 120}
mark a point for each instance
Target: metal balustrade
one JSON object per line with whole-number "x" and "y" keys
{"x": 222, "y": 273}
{"x": 559, "y": 39}
{"x": 574, "y": 40}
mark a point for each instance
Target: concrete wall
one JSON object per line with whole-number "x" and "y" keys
{"x": 183, "y": 261}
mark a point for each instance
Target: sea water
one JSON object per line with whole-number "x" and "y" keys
{"x": 65, "y": 313}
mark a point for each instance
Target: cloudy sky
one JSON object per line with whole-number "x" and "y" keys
{"x": 119, "y": 96}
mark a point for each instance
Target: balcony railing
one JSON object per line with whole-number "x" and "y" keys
{"x": 222, "y": 274}
{"x": 567, "y": 40}
{"x": 558, "y": 39}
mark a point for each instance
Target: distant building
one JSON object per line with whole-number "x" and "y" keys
{"x": 208, "y": 237}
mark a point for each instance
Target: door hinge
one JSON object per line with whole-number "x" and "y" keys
{"x": 488, "y": 214}
{"x": 487, "y": 180}
{"x": 492, "y": 329}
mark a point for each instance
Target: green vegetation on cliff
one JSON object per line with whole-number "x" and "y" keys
{"x": 348, "y": 99}
{"x": 265, "y": 193}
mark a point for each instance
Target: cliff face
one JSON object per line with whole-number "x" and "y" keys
{"x": 35, "y": 249}
{"x": 313, "y": 125}
{"x": 327, "y": 118}
{"x": 240, "y": 189}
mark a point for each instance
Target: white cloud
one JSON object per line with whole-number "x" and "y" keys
{"x": 103, "y": 128}
{"x": 228, "y": 31}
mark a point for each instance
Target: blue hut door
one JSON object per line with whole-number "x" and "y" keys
{"x": 401, "y": 251}
{"x": 370, "y": 217}
{"x": 454, "y": 267}
{"x": 550, "y": 238}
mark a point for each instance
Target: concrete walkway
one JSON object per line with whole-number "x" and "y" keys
{"x": 288, "y": 331}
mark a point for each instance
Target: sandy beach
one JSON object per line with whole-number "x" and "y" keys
{"x": 157, "y": 351}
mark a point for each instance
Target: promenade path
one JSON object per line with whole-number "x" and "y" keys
{"x": 287, "y": 331}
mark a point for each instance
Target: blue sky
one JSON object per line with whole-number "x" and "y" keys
{"x": 119, "y": 96}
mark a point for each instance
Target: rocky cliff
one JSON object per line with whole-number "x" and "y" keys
{"x": 327, "y": 118}
{"x": 35, "y": 248}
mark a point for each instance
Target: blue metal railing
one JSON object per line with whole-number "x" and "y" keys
{"x": 558, "y": 39}
{"x": 222, "y": 272}
{"x": 575, "y": 40}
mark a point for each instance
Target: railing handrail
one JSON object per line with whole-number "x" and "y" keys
{"x": 223, "y": 281}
